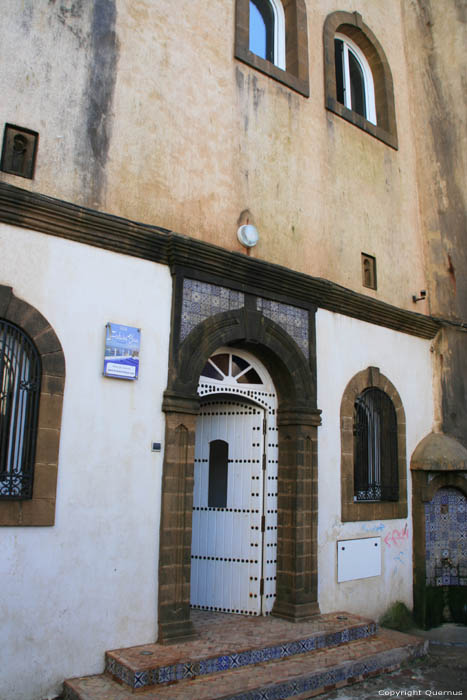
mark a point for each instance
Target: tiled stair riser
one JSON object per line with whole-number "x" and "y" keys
{"x": 138, "y": 680}
{"x": 295, "y": 683}
{"x": 318, "y": 682}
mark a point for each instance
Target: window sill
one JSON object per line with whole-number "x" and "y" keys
{"x": 333, "y": 106}
{"x": 268, "y": 68}
{"x": 373, "y": 510}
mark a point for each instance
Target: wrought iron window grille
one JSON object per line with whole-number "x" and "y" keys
{"x": 376, "y": 476}
{"x": 20, "y": 379}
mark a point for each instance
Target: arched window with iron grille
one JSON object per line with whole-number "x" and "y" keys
{"x": 20, "y": 376}
{"x": 376, "y": 473}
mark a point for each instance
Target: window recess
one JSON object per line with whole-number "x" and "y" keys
{"x": 354, "y": 80}
{"x": 357, "y": 76}
{"x": 369, "y": 271}
{"x": 267, "y": 31}
{"x": 376, "y": 475}
{"x": 373, "y": 449}
{"x": 272, "y": 37}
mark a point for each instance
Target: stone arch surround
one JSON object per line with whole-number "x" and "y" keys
{"x": 38, "y": 511}
{"x": 352, "y": 24}
{"x": 297, "y": 419}
{"x": 439, "y": 461}
{"x": 352, "y": 511}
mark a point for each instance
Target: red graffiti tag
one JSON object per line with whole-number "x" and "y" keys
{"x": 396, "y": 537}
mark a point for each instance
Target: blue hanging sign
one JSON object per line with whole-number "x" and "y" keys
{"x": 121, "y": 351}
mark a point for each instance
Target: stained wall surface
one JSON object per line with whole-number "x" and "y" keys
{"x": 88, "y": 583}
{"x": 437, "y": 35}
{"x": 155, "y": 120}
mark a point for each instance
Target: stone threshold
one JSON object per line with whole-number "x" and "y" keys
{"x": 229, "y": 642}
{"x": 299, "y": 676}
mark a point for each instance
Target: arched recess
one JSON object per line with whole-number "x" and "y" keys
{"x": 352, "y": 25}
{"x": 297, "y": 420}
{"x": 439, "y": 461}
{"x": 40, "y": 509}
{"x": 379, "y": 510}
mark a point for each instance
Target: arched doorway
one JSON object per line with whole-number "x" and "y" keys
{"x": 234, "y": 527}
{"x": 439, "y": 502}
{"x": 292, "y": 371}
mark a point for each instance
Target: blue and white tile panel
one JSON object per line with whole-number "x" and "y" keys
{"x": 202, "y": 300}
{"x": 319, "y": 680}
{"x": 446, "y": 538}
{"x": 291, "y": 319}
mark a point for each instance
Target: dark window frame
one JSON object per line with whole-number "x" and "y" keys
{"x": 267, "y": 15}
{"x": 352, "y": 25}
{"x": 369, "y": 277}
{"x": 31, "y": 143}
{"x": 296, "y": 46}
{"x": 376, "y": 472}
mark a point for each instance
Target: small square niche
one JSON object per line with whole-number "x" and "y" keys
{"x": 368, "y": 271}
{"x": 19, "y": 151}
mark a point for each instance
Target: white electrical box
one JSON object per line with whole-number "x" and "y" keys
{"x": 358, "y": 558}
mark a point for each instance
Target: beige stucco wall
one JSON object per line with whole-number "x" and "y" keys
{"x": 149, "y": 116}
{"x": 436, "y": 33}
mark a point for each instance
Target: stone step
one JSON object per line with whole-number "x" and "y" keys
{"x": 297, "y": 676}
{"x": 232, "y": 641}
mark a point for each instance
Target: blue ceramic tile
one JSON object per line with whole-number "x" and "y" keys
{"x": 207, "y": 666}
{"x": 202, "y": 300}
{"x": 291, "y": 319}
{"x": 256, "y": 656}
{"x": 446, "y": 534}
{"x": 141, "y": 679}
{"x": 222, "y": 663}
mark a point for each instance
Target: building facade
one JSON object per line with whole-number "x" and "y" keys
{"x": 294, "y": 438}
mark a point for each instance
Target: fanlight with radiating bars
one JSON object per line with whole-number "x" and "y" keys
{"x": 230, "y": 369}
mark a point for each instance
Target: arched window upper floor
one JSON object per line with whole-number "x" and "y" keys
{"x": 271, "y": 36}
{"x": 267, "y": 31}
{"x": 373, "y": 449}
{"x": 358, "y": 80}
{"x": 32, "y": 378}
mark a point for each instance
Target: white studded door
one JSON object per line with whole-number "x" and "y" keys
{"x": 228, "y": 538}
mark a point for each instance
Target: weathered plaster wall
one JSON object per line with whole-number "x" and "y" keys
{"x": 60, "y": 61}
{"x": 436, "y": 36}
{"x": 89, "y": 583}
{"x": 344, "y": 348}
{"x": 160, "y": 123}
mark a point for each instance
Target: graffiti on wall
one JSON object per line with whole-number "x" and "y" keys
{"x": 394, "y": 539}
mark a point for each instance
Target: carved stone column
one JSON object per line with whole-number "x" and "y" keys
{"x": 296, "y": 582}
{"x": 176, "y": 513}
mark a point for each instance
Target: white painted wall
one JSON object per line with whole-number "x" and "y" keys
{"x": 88, "y": 584}
{"x": 346, "y": 346}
